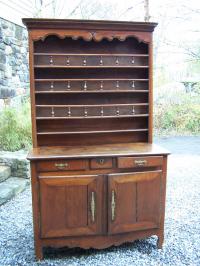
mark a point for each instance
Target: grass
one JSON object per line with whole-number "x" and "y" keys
{"x": 15, "y": 127}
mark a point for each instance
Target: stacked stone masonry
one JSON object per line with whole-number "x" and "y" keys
{"x": 14, "y": 77}
{"x": 17, "y": 162}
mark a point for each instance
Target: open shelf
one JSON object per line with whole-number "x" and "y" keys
{"x": 90, "y": 110}
{"x": 94, "y": 54}
{"x": 92, "y": 132}
{"x": 92, "y": 105}
{"x": 90, "y": 117}
{"x": 88, "y": 79}
{"x": 90, "y": 60}
{"x": 85, "y": 67}
{"x": 91, "y": 85}
{"x": 101, "y": 73}
{"x": 91, "y": 91}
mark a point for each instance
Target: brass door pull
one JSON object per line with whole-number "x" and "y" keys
{"x": 140, "y": 162}
{"x": 61, "y": 166}
{"x": 93, "y": 206}
{"x": 113, "y": 206}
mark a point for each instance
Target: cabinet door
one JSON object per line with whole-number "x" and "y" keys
{"x": 70, "y": 206}
{"x": 134, "y": 201}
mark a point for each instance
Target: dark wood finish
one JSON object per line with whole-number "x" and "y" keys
{"x": 66, "y": 206}
{"x": 107, "y": 150}
{"x": 162, "y": 203}
{"x": 36, "y": 211}
{"x": 99, "y": 241}
{"x": 132, "y": 162}
{"x": 32, "y": 92}
{"x": 101, "y": 163}
{"x": 108, "y": 69}
{"x": 134, "y": 201}
{"x": 100, "y": 137}
{"x": 97, "y": 179}
{"x": 62, "y": 165}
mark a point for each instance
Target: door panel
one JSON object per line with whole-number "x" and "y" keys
{"x": 76, "y": 200}
{"x": 71, "y": 206}
{"x": 134, "y": 201}
{"x": 148, "y": 200}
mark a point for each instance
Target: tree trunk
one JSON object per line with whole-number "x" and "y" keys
{"x": 146, "y": 11}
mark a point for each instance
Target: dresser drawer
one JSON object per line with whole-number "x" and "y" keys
{"x": 132, "y": 162}
{"x": 101, "y": 163}
{"x": 62, "y": 165}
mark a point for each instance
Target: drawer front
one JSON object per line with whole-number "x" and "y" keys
{"x": 62, "y": 165}
{"x": 101, "y": 163}
{"x": 133, "y": 162}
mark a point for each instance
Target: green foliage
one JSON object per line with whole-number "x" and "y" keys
{"x": 15, "y": 127}
{"x": 196, "y": 88}
{"x": 160, "y": 77}
{"x": 182, "y": 118}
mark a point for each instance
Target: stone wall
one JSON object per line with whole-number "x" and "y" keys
{"x": 14, "y": 77}
{"x": 20, "y": 167}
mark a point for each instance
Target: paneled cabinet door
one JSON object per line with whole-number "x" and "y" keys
{"x": 134, "y": 201}
{"x": 70, "y": 206}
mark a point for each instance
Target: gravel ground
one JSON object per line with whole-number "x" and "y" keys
{"x": 182, "y": 228}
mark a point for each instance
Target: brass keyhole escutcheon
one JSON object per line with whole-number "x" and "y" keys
{"x": 101, "y": 161}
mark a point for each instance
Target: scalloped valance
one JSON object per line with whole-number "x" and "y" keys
{"x": 97, "y": 36}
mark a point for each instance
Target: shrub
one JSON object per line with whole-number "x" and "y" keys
{"x": 15, "y": 127}
{"x": 177, "y": 118}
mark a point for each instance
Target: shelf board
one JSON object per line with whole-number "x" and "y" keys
{"x": 86, "y": 67}
{"x": 91, "y": 105}
{"x": 86, "y": 79}
{"x": 71, "y": 54}
{"x": 91, "y": 131}
{"x": 90, "y": 91}
{"x": 90, "y": 117}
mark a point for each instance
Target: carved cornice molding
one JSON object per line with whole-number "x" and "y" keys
{"x": 97, "y": 36}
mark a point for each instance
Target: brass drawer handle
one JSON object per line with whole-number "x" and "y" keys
{"x": 93, "y": 206}
{"x": 61, "y": 166}
{"x": 113, "y": 206}
{"x": 140, "y": 162}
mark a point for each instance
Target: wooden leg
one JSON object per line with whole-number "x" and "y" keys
{"x": 39, "y": 252}
{"x": 160, "y": 241}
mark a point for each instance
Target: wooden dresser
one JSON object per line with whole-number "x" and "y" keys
{"x": 97, "y": 179}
